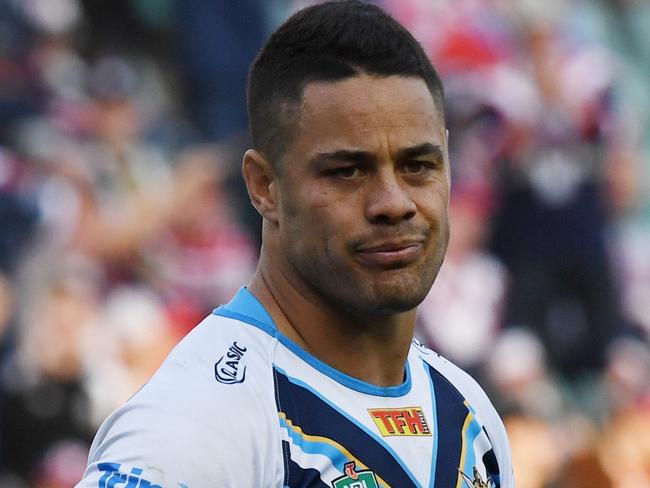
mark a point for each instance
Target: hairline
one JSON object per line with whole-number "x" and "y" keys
{"x": 290, "y": 105}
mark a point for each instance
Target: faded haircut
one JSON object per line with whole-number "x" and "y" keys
{"x": 331, "y": 41}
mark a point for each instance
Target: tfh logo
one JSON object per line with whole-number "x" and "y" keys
{"x": 408, "y": 421}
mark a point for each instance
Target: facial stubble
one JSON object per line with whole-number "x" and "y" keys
{"x": 331, "y": 274}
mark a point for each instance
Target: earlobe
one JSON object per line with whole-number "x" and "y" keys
{"x": 260, "y": 178}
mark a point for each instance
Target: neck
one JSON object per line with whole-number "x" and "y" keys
{"x": 372, "y": 349}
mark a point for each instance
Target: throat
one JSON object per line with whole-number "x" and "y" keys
{"x": 371, "y": 349}
{"x": 376, "y": 356}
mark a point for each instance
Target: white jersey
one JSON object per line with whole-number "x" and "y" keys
{"x": 238, "y": 404}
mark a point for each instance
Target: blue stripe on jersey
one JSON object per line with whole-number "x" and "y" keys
{"x": 377, "y": 438}
{"x": 361, "y": 426}
{"x": 246, "y": 308}
{"x": 318, "y": 417}
{"x": 315, "y": 446}
{"x": 492, "y": 465}
{"x": 297, "y": 477}
{"x": 224, "y": 312}
{"x": 451, "y": 412}
{"x": 346, "y": 380}
{"x": 434, "y": 423}
{"x": 301, "y": 478}
{"x": 245, "y": 303}
{"x": 470, "y": 433}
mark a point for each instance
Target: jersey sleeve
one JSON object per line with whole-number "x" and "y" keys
{"x": 160, "y": 450}
{"x": 138, "y": 444}
{"x": 185, "y": 429}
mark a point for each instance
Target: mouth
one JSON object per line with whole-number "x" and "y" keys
{"x": 391, "y": 254}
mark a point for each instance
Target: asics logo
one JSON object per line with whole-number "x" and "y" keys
{"x": 229, "y": 369}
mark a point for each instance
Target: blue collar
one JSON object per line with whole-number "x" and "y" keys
{"x": 246, "y": 308}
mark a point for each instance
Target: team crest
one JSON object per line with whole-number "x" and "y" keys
{"x": 477, "y": 482}
{"x": 356, "y": 479}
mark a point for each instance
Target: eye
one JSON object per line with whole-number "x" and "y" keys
{"x": 344, "y": 172}
{"x": 418, "y": 167}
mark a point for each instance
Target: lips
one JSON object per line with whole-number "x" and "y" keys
{"x": 391, "y": 254}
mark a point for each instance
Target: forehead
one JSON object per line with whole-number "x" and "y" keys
{"x": 366, "y": 109}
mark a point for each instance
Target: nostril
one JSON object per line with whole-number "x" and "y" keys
{"x": 394, "y": 216}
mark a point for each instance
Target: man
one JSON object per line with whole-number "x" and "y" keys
{"x": 309, "y": 376}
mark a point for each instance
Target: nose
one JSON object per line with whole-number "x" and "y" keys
{"x": 388, "y": 201}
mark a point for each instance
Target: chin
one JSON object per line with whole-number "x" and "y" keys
{"x": 363, "y": 292}
{"x": 391, "y": 307}
{"x": 391, "y": 304}
{"x": 391, "y": 298}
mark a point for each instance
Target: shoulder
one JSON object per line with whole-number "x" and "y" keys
{"x": 207, "y": 410}
{"x": 461, "y": 381}
{"x": 481, "y": 405}
{"x": 218, "y": 367}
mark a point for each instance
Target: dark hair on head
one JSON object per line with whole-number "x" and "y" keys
{"x": 327, "y": 42}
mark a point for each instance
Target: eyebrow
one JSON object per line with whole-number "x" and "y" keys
{"x": 359, "y": 157}
{"x": 365, "y": 157}
{"x": 424, "y": 149}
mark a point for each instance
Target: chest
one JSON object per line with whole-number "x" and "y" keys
{"x": 333, "y": 436}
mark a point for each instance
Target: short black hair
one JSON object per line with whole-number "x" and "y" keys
{"x": 330, "y": 41}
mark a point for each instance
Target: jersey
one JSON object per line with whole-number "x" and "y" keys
{"x": 238, "y": 404}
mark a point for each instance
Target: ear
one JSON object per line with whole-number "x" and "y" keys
{"x": 261, "y": 183}
{"x": 445, "y": 138}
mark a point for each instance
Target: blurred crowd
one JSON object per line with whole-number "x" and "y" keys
{"x": 123, "y": 219}
{"x": 545, "y": 292}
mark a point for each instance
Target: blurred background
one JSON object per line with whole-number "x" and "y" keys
{"x": 124, "y": 221}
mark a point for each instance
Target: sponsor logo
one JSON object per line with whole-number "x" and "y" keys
{"x": 113, "y": 477}
{"x": 408, "y": 421}
{"x": 229, "y": 368}
{"x": 356, "y": 479}
{"x": 477, "y": 481}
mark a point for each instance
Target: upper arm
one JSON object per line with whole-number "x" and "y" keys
{"x": 182, "y": 449}
{"x": 161, "y": 450}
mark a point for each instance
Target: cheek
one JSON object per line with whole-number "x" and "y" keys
{"x": 319, "y": 223}
{"x": 300, "y": 198}
{"x": 435, "y": 205}
{"x": 304, "y": 221}
{"x": 320, "y": 206}
{"x": 318, "y": 198}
